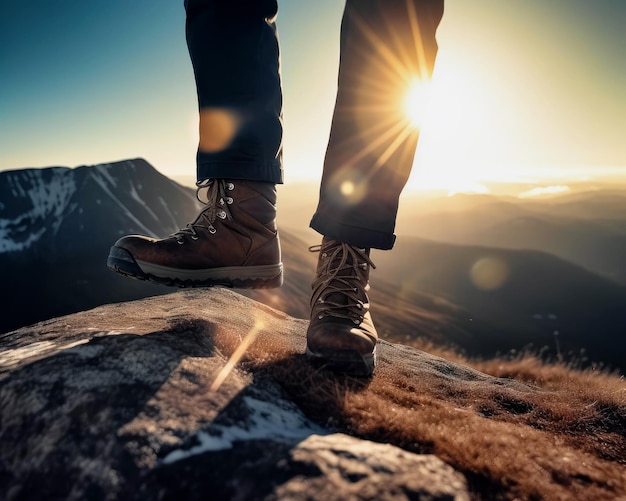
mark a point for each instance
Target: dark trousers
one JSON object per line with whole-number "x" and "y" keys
{"x": 385, "y": 45}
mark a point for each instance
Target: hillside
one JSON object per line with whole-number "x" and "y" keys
{"x": 585, "y": 228}
{"x": 145, "y": 400}
{"x": 526, "y": 296}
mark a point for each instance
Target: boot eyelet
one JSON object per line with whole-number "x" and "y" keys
{"x": 212, "y": 230}
{"x": 230, "y": 186}
{"x": 194, "y": 237}
{"x": 320, "y": 316}
{"x": 221, "y": 215}
{"x": 229, "y": 200}
{"x": 324, "y": 255}
{"x": 356, "y": 321}
{"x": 180, "y": 242}
{"x": 359, "y": 306}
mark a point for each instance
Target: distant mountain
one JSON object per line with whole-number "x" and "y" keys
{"x": 596, "y": 245}
{"x": 588, "y": 229}
{"x": 526, "y": 296}
{"x": 56, "y": 227}
{"x": 591, "y": 204}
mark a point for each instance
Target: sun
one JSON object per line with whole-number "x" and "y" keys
{"x": 418, "y": 102}
{"x": 453, "y": 154}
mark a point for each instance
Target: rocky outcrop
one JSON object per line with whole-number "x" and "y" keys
{"x": 206, "y": 394}
{"x": 136, "y": 401}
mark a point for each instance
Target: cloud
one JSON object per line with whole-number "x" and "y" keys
{"x": 544, "y": 190}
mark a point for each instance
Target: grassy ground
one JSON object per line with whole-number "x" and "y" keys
{"x": 562, "y": 435}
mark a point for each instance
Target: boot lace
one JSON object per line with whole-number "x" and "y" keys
{"x": 341, "y": 283}
{"x": 212, "y": 193}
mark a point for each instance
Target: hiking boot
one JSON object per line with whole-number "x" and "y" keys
{"x": 233, "y": 242}
{"x": 341, "y": 334}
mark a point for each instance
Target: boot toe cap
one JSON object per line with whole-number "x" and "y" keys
{"x": 135, "y": 244}
{"x": 341, "y": 334}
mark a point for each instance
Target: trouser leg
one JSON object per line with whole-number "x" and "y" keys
{"x": 385, "y": 44}
{"x": 235, "y": 56}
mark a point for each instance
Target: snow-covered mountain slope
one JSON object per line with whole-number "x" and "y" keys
{"x": 57, "y": 207}
{"x": 57, "y": 225}
{"x": 33, "y": 198}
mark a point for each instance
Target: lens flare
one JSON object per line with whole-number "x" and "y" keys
{"x": 218, "y": 127}
{"x": 489, "y": 273}
{"x": 237, "y": 354}
{"x": 347, "y": 188}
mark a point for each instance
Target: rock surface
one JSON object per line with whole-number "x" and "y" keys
{"x": 125, "y": 402}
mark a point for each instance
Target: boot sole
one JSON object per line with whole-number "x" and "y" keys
{"x": 345, "y": 361}
{"x": 241, "y": 277}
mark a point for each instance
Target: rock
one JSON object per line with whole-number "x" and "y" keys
{"x": 329, "y": 467}
{"x": 357, "y": 469}
{"x": 124, "y": 402}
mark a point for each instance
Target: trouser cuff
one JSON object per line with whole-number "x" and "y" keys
{"x": 251, "y": 171}
{"x": 352, "y": 235}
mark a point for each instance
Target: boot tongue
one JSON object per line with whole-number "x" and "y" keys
{"x": 347, "y": 270}
{"x": 211, "y": 192}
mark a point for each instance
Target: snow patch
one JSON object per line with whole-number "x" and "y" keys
{"x": 266, "y": 421}
{"x": 48, "y": 200}
{"x": 103, "y": 169}
{"x": 135, "y": 196}
{"x": 168, "y": 212}
{"x": 102, "y": 183}
{"x": 12, "y": 357}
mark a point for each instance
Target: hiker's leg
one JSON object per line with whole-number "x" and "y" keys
{"x": 235, "y": 56}
{"x": 385, "y": 46}
{"x": 234, "y": 239}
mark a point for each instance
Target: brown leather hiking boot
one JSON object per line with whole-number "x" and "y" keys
{"x": 341, "y": 334}
{"x": 233, "y": 242}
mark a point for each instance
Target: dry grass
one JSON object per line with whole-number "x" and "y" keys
{"x": 564, "y": 438}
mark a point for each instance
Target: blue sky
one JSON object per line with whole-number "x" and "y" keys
{"x": 525, "y": 87}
